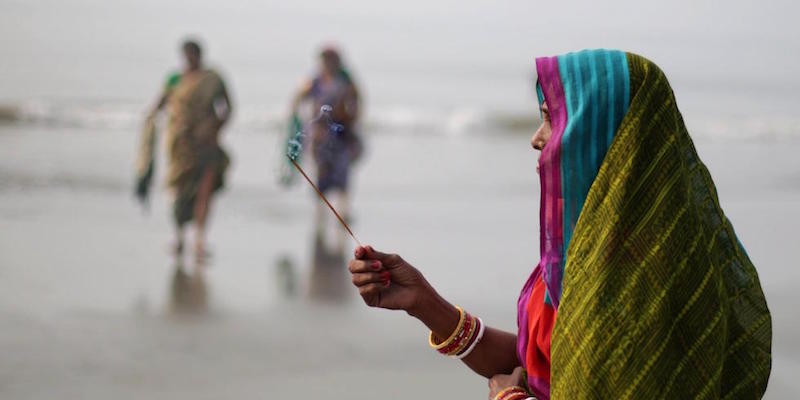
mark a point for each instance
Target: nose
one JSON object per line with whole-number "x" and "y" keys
{"x": 537, "y": 141}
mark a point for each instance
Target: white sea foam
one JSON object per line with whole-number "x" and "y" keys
{"x": 390, "y": 119}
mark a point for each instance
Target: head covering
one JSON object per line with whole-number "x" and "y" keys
{"x": 586, "y": 109}
{"x": 655, "y": 295}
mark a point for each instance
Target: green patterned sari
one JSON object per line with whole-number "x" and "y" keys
{"x": 655, "y": 296}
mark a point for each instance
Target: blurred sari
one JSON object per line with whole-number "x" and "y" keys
{"x": 192, "y": 140}
{"x": 643, "y": 290}
{"x": 335, "y": 152}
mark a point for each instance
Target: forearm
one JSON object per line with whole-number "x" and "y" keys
{"x": 223, "y": 119}
{"x": 302, "y": 94}
{"x": 494, "y": 354}
{"x": 436, "y": 313}
{"x": 225, "y": 108}
{"x": 159, "y": 105}
{"x": 295, "y": 104}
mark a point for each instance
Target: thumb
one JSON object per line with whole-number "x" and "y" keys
{"x": 518, "y": 374}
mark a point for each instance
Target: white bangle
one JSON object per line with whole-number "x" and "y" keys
{"x": 475, "y": 343}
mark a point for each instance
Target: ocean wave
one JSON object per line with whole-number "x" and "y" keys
{"x": 72, "y": 114}
{"x": 387, "y": 119}
{"x": 29, "y": 180}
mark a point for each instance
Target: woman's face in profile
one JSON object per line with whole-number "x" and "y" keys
{"x": 542, "y": 135}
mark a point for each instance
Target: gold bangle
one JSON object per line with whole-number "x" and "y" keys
{"x": 461, "y": 319}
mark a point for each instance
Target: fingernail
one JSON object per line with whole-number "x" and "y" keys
{"x": 386, "y": 283}
{"x": 376, "y": 265}
{"x": 385, "y": 275}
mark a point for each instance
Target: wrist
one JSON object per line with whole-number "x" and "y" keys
{"x": 435, "y": 312}
{"x": 423, "y": 302}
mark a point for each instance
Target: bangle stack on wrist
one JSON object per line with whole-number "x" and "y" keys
{"x": 464, "y": 338}
{"x": 514, "y": 393}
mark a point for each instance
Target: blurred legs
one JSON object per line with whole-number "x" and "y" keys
{"x": 201, "y": 210}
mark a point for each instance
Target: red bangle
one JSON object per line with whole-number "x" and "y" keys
{"x": 473, "y": 337}
{"x": 460, "y": 337}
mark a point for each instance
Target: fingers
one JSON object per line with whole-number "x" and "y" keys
{"x": 494, "y": 386}
{"x": 360, "y": 252}
{"x": 370, "y": 291}
{"x": 365, "y": 278}
{"x": 368, "y": 252}
{"x": 360, "y": 266}
{"x": 384, "y": 257}
{"x": 494, "y": 380}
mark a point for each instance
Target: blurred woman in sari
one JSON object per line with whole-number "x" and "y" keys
{"x": 198, "y": 107}
{"x": 334, "y": 151}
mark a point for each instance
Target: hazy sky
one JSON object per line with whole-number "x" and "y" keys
{"x": 102, "y": 48}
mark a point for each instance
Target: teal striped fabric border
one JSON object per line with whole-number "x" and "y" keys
{"x": 597, "y": 95}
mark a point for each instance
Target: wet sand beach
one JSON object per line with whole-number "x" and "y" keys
{"x": 93, "y": 305}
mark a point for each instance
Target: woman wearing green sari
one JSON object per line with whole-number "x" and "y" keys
{"x": 198, "y": 106}
{"x": 643, "y": 290}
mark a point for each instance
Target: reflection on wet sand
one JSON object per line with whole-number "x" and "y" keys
{"x": 286, "y": 276}
{"x": 329, "y": 278}
{"x": 188, "y": 291}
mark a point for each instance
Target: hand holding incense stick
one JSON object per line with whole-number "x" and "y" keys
{"x": 295, "y": 147}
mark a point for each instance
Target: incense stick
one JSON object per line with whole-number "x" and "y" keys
{"x": 322, "y": 196}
